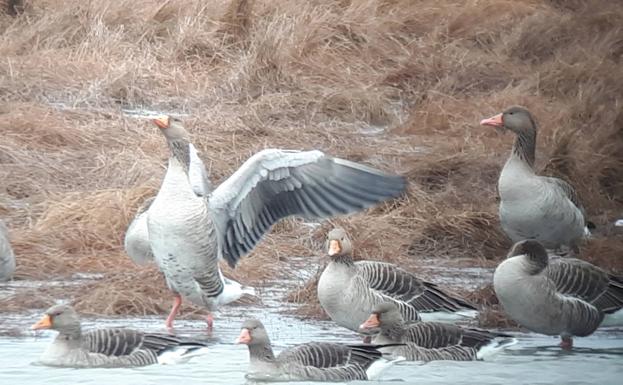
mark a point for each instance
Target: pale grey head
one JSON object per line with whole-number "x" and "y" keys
{"x": 252, "y": 333}
{"x": 62, "y": 318}
{"x": 338, "y": 244}
{"x": 177, "y": 138}
{"x": 518, "y": 120}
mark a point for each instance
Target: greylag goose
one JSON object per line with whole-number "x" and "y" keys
{"x": 110, "y": 348}
{"x": 314, "y": 361}
{"x": 348, "y": 290}
{"x": 532, "y": 206}
{"x": 7, "y": 259}
{"x": 430, "y": 341}
{"x": 136, "y": 242}
{"x": 560, "y": 296}
{"x": 188, "y": 234}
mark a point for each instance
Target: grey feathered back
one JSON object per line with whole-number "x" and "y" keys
{"x": 7, "y": 258}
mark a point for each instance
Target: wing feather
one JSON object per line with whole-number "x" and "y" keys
{"x": 274, "y": 184}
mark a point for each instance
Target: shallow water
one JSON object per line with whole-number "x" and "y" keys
{"x": 598, "y": 359}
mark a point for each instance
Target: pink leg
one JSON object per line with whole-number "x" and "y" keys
{"x": 210, "y": 321}
{"x": 566, "y": 342}
{"x": 177, "y": 302}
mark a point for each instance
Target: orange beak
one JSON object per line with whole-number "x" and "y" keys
{"x": 162, "y": 122}
{"x": 244, "y": 337}
{"x": 495, "y": 121}
{"x": 371, "y": 323}
{"x": 44, "y": 323}
{"x": 334, "y": 247}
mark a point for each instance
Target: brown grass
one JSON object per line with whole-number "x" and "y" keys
{"x": 253, "y": 74}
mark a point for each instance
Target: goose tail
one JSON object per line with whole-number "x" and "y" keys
{"x": 494, "y": 347}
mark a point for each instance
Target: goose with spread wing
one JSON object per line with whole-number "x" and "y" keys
{"x": 559, "y": 296}
{"x": 188, "y": 234}
{"x": 348, "y": 290}
{"x": 313, "y": 361}
{"x": 533, "y": 206}
{"x": 431, "y": 341}
{"x": 109, "y": 347}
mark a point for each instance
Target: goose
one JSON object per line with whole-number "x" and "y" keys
{"x": 188, "y": 234}
{"x": 136, "y": 241}
{"x": 7, "y": 258}
{"x": 533, "y": 206}
{"x": 559, "y": 296}
{"x": 348, "y": 290}
{"x": 430, "y": 341}
{"x": 314, "y": 361}
{"x": 109, "y": 348}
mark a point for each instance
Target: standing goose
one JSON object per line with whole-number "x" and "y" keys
{"x": 110, "y": 348}
{"x": 532, "y": 206}
{"x": 188, "y": 234}
{"x": 430, "y": 341}
{"x": 136, "y": 242}
{"x": 563, "y": 296}
{"x": 7, "y": 259}
{"x": 348, "y": 291}
{"x": 314, "y": 361}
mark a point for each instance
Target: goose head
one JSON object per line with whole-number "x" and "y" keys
{"x": 338, "y": 244}
{"x": 384, "y": 316}
{"x": 515, "y": 119}
{"x": 177, "y": 137}
{"x": 534, "y": 253}
{"x": 62, "y": 318}
{"x": 252, "y": 333}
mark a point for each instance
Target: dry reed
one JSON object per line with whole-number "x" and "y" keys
{"x": 397, "y": 84}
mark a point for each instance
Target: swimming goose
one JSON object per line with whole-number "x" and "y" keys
{"x": 532, "y": 206}
{"x": 348, "y": 290}
{"x": 110, "y": 348}
{"x": 430, "y": 341}
{"x": 7, "y": 259}
{"x": 314, "y": 361}
{"x": 561, "y": 296}
{"x": 188, "y": 234}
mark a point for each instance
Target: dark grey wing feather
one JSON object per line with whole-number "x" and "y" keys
{"x": 320, "y": 355}
{"x": 612, "y": 299}
{"x": 274, "y": 184}
{"x": 577, "y": 278}
{"x": 567, "y": 190}
{"x": 403, "y": 286}
{"x": 122, "y": 342}
{"x": 113, "y": 341}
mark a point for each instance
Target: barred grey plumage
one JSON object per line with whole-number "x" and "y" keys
{"x": 429, "y": 341}
{"x": 531, "y": 206}
{"x": 314, "y": 361}
{"x": 562, "y": 296}
{"x": 112, "y": 347}
{"x": 188, "y": 234}
{"x": 7, "y": 258}
{"x": 348, "y": 290}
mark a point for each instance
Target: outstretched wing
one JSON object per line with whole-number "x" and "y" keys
{"x": 274, "y": 184}
{"x": 402, "y": 286}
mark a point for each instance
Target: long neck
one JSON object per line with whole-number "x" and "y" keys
{"x": 262, "y": 352}
{"x": 525, "y": 146}
{"x": 180, "y": 151}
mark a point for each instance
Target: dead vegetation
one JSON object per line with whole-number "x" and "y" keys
{"x": 398, "y": 84}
